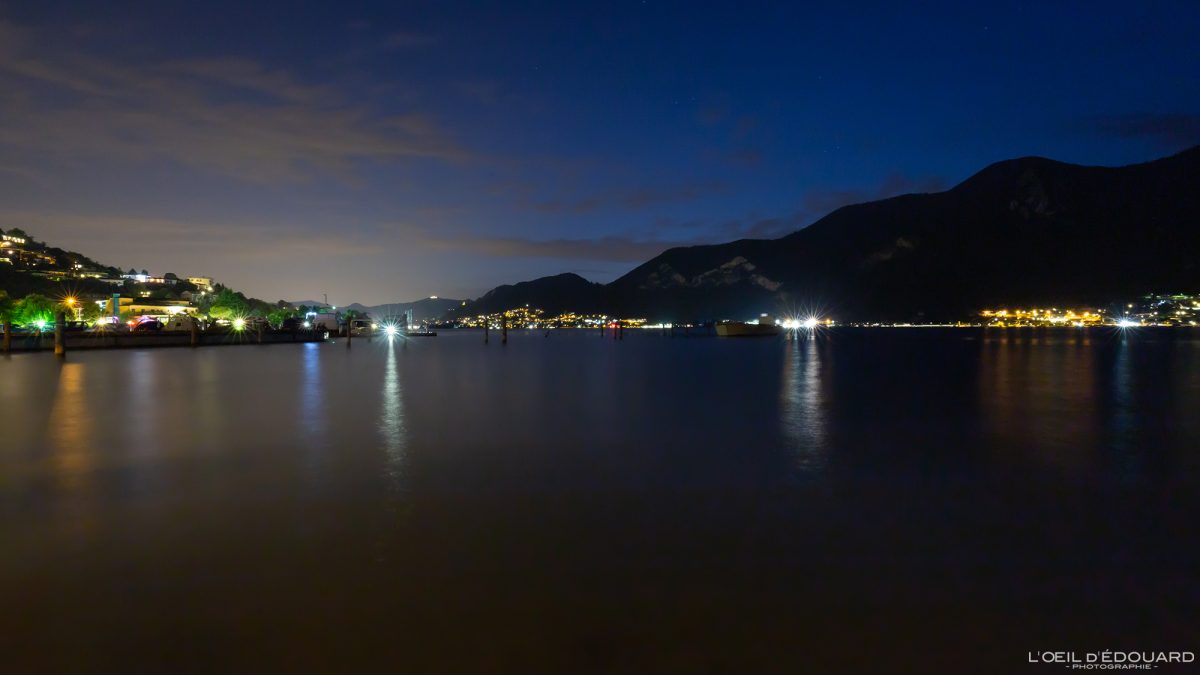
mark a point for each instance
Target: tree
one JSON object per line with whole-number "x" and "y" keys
{"x": 6, "y": 306}
{"x": 227, "y": 304}
{"x": 90, "y": 311}
{"x": 18, "y": 232}
{"x": 277, "y": 315}
{"x": 131, "y": 271}
{"x": 34, "y": 308}
{"x": 170, "y": 276}
{"x": 145, "y": 273}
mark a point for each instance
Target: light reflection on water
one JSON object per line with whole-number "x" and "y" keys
{"x": 71, "y": 428}
{"x": 803, "y": 414}
{"x": 312, "y": 411}
{"x": 391, "y": 414}
{"x": 565, "y": 487}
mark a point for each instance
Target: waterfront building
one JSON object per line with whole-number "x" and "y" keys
{"x": 146, "y": 307}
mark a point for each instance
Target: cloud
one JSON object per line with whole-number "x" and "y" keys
{"x": 156, "y": 238}
{"x": 606, "y": 249}
{"x": 818, "y": 202}
{"x": 1171, "y": 131}
{"x": 235, "y": 117}
{"x": 633, "y": 199}
{"x": 487, "y": 92}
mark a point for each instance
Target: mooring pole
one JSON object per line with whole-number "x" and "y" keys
{"x": 504, "y": 329}
{"x": 349, "y": 332}
{"x": 60, "y": 326}
{"x": 487, "y": 322}
{"x": 7, "y": 336}
{"x": 195, "y": 331}
{"x": 621, "y": 330}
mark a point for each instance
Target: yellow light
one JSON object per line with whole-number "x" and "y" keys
{"x": 70, "y": 302}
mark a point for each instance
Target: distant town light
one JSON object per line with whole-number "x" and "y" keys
{"x": 239, "y": 324}
{"x": 811, "y": 322}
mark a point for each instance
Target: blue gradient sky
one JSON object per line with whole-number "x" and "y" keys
{"x": 387, "y": 151}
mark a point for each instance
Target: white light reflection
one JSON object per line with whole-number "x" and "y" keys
{"x": 391, "y": 415}
{"x": 803, "y": 409}
{"x": 312, "y": 409}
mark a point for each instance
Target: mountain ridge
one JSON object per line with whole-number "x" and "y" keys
{"x": 1029, "y": 229}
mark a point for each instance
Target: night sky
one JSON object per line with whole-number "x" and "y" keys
{"x": 385, "y": 152}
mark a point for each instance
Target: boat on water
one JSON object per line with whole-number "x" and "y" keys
{"x": 765, "y": 327}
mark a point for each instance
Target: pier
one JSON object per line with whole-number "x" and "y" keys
{"x": 63, "y": 342}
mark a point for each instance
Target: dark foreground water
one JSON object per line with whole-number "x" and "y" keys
{"x": 871, "y": 500}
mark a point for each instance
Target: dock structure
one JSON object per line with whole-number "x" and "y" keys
{"x": 60, "y": 340}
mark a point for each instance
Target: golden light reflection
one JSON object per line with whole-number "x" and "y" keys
{"x": 71, "y": 428}
{"x": 1040, "y": 390}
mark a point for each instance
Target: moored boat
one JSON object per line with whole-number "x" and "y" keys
{"x": 764, "y": 328}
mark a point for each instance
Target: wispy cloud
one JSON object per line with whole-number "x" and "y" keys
{"x": 633, "y": 199}
{"x": 607, "y": 249}
{"x": 235, "y": 117}
{"x": 1171, "y": 131}
{"x": 159, "y": 236}
{"x": 815, "y": 203}
{"x": 818, "y": 202}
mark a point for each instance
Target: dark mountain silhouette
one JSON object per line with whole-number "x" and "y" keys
{"x": 1022, "y": 231}
{"x": 556, "y": 294}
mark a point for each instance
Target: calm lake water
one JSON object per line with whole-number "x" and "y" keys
{"x": 869, "y": 500}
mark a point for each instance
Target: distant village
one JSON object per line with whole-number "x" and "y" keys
{"x": 38, "y": 280}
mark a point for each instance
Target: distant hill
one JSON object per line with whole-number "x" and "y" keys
{"x": 1029, "y": 230}
{"x": 423, "y": 309}
{"x": 556, "y": 294}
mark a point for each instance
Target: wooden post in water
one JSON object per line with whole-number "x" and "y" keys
{"x": 621, "y": 330}
{"x": 195, "y": 331}
{"x": 487, "y": 322}
{"x": 60, "y": 339}
{"x": 7, "y": 336}
{"x": 504, "y": 329}
{"x": 349, "y": 332}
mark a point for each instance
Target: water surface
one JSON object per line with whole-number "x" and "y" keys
{"x": 939, "y": 500}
